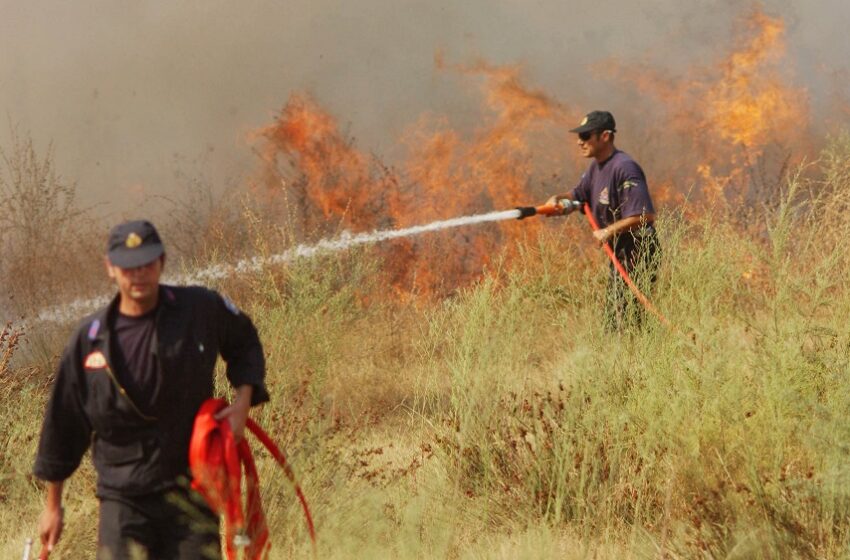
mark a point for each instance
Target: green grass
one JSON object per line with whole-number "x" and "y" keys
{"x": 505, "y": 422}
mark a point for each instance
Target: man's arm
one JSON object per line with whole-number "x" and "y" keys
{"x": 65, "y": 436}
{"x": 631, "y": 223}
{"x": 635, "y": 202}
{"x": 241, "y": 349}
{"x": 51, "y": 522}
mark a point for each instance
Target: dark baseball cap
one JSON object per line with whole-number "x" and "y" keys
{"x": 133, "y": 244}
{"x": 596, "y": 120}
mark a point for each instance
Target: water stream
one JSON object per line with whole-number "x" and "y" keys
{"x": 77, "y": 308}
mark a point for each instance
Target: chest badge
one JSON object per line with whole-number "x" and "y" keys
{"x": 603, "y": 196}
{"x": 95, "y": 360}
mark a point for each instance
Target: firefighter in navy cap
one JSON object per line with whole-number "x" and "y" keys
{"x": 615, "y": 187}
{"x": 129, "y": 383}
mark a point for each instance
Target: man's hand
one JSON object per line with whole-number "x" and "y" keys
{"x": 51, "y": 521}
{"x": 555, "y": 202}
{"x": 602, "y": 235}
{"x": 237, "y": 412}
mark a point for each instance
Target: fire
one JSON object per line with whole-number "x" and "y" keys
{"x": 445, "y": 175}
{"x": 710, "y": 127}
{"x": 725, "y": 116}
{"x": 750, "y": 104}
{"x": 332, "y": 176}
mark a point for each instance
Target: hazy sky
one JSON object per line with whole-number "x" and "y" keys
{"x": 123, "y": 88}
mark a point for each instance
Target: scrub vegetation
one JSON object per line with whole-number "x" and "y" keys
{"x": 504, "y": 422}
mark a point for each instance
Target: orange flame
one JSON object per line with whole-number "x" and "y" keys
{"x": 725, "y": 115}
{"x": 333, "y": 176}
{"x": 709, "y": 128}
{"x": 445, "y": 176}
{"x": 750, "y": 104}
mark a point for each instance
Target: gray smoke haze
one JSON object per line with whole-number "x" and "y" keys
{"x": 125, "y": 90}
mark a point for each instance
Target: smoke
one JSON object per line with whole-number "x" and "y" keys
{"x": 128, "y": 91}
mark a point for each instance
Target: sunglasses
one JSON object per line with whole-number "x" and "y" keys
{"x": 585, "y": 136}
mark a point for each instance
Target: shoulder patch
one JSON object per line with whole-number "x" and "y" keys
{"x": 627, "y": 184}
{"x": 230, "y": 305}
{"x": 93, "y": 329}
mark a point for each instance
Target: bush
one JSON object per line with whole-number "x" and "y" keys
{"x": 45, "y": 236}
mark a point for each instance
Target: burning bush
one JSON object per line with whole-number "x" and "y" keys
{"x": 329, "y": 182}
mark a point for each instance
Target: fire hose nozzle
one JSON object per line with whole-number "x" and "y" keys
{"x": 551, "y": 210}
{"x": 564, "y": 206}
{"x": 526, "y": 212}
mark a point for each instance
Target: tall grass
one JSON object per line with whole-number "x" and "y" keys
{"x": 506, "y": 422}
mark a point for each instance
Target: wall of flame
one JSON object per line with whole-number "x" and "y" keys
{"x": 723, "y": 132}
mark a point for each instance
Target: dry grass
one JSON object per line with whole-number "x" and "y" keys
{"x": 503, "y": 422}
{"x": 45, "y": 234}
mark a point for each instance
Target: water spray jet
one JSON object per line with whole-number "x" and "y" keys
{"x": 69, "y": 311}
{"x": 346, "y": 240}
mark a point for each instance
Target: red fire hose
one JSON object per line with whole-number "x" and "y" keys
{"x": 559, "y": 210}
{"x": 216, "y": 460}
{"x": 623, "y": 273}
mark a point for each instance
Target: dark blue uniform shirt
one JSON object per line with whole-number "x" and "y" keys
{"x": 615, "y": 189}
{"x": 142, "y": 447}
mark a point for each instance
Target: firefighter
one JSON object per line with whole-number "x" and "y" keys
{"x": 615, "y": 187}
{"x": 129, "y": 383}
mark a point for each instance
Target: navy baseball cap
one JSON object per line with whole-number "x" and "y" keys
{"x": 133, "y": 244}
{"x": 596, "y": 120}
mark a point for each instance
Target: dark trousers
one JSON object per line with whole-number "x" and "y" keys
{"x": 173, "y": 525}
{"x": 639, "y": 255}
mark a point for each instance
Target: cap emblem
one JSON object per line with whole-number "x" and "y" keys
{"x": 133, "y": 241}
{"x": 583, "y": 121}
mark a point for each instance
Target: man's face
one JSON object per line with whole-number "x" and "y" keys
{"x": 593, "y": 143}
{"x": 139, "y": 284}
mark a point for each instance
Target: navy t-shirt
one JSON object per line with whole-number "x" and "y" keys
{"x": 135, "y": 361}
{"x": 615, "y": 189}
